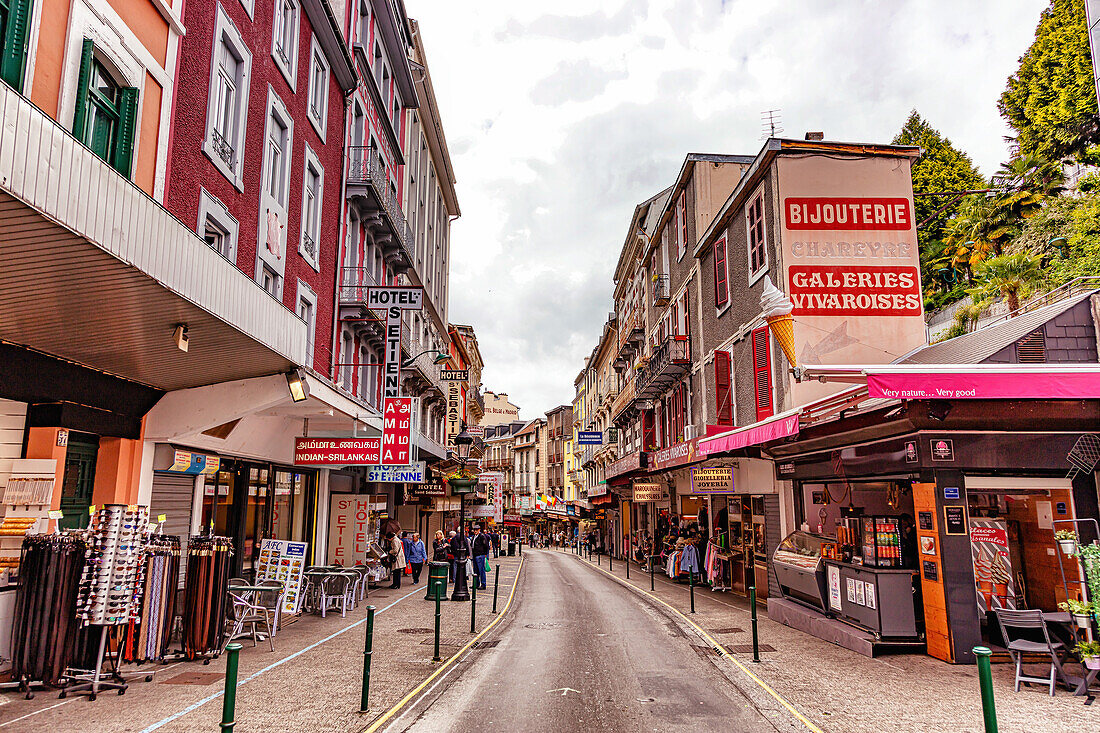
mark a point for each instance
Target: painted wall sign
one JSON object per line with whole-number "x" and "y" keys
{"x": 415, "y": 473}
{"x": 712, "y": 480}
{"x": 849, "y": 214}
{"x": 849, "y": 290}
{"x": 454, "y": 375}
{"x": 397, "y": 414}
{"x": 336, "y": 451}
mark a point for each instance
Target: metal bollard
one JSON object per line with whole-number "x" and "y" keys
{"x": 230, "y": 700}
{"x": 755, "y": 636}
{"x": 496, "y": 586}
{"x": 627, "y": 567}
{"x": 367, "y": 651}
{"x": 651, "y": 566}
{"x": 438, "y": 595}
{"x": 691, "y": 587}
{"x": 473, "y": 603}
{"x": 985, "y": 680}
{"x": 610, "y": 562}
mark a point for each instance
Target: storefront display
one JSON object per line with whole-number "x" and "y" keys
{"x": 209, "y": 565}
{"x": 147, "y": 636}
{"x": 284, "y": 561}
{"x": 799, "y": 568}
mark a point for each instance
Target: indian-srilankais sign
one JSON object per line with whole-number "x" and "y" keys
{"x": 336, "y": 451}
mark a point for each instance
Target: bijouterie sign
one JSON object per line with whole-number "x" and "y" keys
{"x": 852, "y": 214}
{"x": 855, "y": 290}
{"x": 336, "y": 451}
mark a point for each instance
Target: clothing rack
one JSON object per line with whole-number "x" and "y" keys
{"x": 208, "y": 568}
{"x": 147, "y": 634}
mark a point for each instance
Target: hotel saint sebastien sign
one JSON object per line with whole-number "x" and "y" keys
{"x": 455, "y": 411}
{"x": 394, "y": 300}
{"x": 336, "y": 451}
{"x": 712, "y": 481}
{"x": 454, "y": 375}
{"x": 414, "y": 473}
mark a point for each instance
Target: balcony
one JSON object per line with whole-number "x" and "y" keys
{"x": 660, "y": 291}
{"x": 625, "y": 401}
{"x": 368, "y": 188}
{"x": 669, "y": 362}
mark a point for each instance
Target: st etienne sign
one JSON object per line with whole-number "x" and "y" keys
{"x": 394, "y": 300}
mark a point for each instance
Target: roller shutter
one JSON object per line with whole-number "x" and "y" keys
{"x": 172, "y": 496}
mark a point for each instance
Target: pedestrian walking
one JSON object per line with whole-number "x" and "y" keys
{"x": 397, "y": 553}
{"x": 416, "y": 556}
{"x": 406, "y": 545}
{"x": 481, "y": 545}
{"x": 439, "y": 547}
{"x": 451, "y": 554}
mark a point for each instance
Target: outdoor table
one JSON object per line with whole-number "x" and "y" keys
{"x": 1064, "y": 620}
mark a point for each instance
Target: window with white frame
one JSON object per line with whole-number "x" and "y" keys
{"x": 362, "y": 22}
{"x": 277, "y": 155}
{"x": 284, "y": 41}
{"x": 227, "y": 106}
{"x": 270, "y": 281}
{"x": 379, "y": 69}
{"x": 217, "y": 226}
{"x": 312, "y": 188}
{"x": 757, "y": 239}
{"x": 307, "y": 311}
{"x": 347, "y": 357}
{"x": 250, "y": 7}
{"x": 318, "y": 88}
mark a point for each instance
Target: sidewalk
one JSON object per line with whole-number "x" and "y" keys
{"x": 311, "y": 682}
{"x": 839, "y": 690}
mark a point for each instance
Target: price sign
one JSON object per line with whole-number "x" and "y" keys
{"x": 162, "y": 518}
{"x": 55, "y": 514}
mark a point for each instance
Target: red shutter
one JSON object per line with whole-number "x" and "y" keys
{"x": 721, "y": 277}
{"x": 722, "y": 387}
{"x": 761, "y": 366}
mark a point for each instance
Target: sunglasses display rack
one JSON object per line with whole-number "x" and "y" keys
{"x": 147, "y": 634}
{"x": 209, "y": 562}
{"x": 45, "y": 625}
{"x": 110, "y": 587}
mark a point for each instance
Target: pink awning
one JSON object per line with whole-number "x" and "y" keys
{"x": 1051, "y": 384}
{"x": 778, "y": 426}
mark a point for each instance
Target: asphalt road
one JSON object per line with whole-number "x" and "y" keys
{"x": 578, "y": 652}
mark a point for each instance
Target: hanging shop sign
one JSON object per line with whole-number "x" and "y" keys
{"x": 447, "y": 504}
{"x": 174, "y": 460}
{"x": 645, "y": 491}
{"x": 397, "y": 413}
{"x": 475, "y": 431}
{"x": 675, "y": 455}
{"x": 626, "y": 464}
{"x": 454, "y": 375}
{"x": 415, "y": 473}
{"x": 612, "y": 436}
{"x": 482, "y": 511}
{"x": 455, "y": 411}
{"x": 284, "y": 561}
{"x": 712, "y": 480}
{"x": 353, "y": 526}
{"x": 394, "y": 301}
{"x": 590, "y": 438}
{"x": 425, "y": 491}
{"x": 336, "y": 451}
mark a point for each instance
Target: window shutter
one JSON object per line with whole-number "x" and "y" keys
{"x": 127, "y": 132}
{"x": 721, "y": 277}
{"x": 722, "y": 387}
{"x": 80, "y": 116}
{"x": 761, "y": 365}
{"x": 13, "y": 62}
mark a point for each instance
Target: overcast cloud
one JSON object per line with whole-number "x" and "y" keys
{"x": 561, "y": 119}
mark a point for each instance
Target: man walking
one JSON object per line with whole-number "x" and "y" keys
{"x": 481, "y": 547}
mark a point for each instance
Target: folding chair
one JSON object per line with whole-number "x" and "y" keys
{"x": 1030, "y": 621}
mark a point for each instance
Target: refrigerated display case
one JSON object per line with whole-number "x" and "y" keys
{"x": 881, "y": 542}
{"x": 798, "y": 568}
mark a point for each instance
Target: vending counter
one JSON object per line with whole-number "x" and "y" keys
{"x": 883, "y": 601}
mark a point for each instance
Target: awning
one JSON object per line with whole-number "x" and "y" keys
{"x": 777, "y": 426}
{"x": 968, "y": 381}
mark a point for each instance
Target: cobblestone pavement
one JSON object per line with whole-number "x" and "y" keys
{"x": 839, "y": 690}
{"x": 312, "y": 682}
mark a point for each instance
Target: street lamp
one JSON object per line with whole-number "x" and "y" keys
{"x": 462, "y": 485}
{"x": 441, "y": 357}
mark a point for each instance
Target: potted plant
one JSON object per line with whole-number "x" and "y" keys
{"x": 1067, "y": 540}
{"x": 1080, "y": 610}
{"x": 461, "y": 482}
{"x": 1089, "y": 651}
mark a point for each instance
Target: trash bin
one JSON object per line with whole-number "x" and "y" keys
{"x": 437, "y": 581}
{"x": 511, "y": 546}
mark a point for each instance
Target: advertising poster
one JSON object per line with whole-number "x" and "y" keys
{"x": 992, "y": 564}
{"x": 353, "y": 526}
{"x": 834, "y": 587}
{"x": 284, "y": 561}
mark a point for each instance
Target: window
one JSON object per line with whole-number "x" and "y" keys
{"x": 217, "y": 226}
{"x": 106, "y": 113}
{"x": 269, "y": 280}
{"x": 227, "y": 106}
{"x": 15, "y": 18}
{"x": 313, "y": 185}
{"x": 379, "y": 68}
{"x": 723, "y": 388}
{"x": 307, "y": 311}
{"x": 762, "y": 373}
{"x": 721, "y": 274}
{"x": 346, "y": 358}
{"x": 318, "y": 89}
{"x": 682, "y": 226}
{"x": 284, "y": 42}
{"x": 362, "y": 23}
{"x": 757, "y": 241}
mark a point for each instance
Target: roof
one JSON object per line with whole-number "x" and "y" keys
{"x": 977, "y": 346}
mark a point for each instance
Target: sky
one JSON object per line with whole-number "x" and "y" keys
{"x": 561, "y": 117}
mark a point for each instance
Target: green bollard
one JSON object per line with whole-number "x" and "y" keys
{"x": 367, "y": 651}
{"x": 496, "y": 585}
{"x": 229, "y": 702}
{"x": 985, "y": 680}
{"x": 438, "y": 596}
{"x": 651, "y": 566}
{"x": 691, "y": 587}
{"x": 610, "y": 562}
{"x": 627, "y": 561}
{"x": 755, "y": 637}
{"x": 473, "y": 603}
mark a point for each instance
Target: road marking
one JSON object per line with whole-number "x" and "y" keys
{"x": 416, "y": 690}
{"x": 721, "y": 649}
{"x": 36, "y": 712}
{"x": 268, "y": 668}
{"x": 565, "y": 690}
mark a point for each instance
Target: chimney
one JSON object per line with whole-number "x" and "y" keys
{"x": 815, "y": 135}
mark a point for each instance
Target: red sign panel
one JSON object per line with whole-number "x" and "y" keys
{"x": 336, "y": 451}
{"x": 851, "y": 214}
{"x": 397, "y": 431}
{"x": 853, "y": 290}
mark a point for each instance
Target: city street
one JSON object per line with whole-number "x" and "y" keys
{"x": 581, "y": 652}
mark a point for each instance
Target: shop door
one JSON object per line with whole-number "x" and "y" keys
{"x": 76, "y": 490}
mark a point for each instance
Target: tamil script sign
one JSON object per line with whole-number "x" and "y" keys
{"x": 590, "y": 438}
{"x": 336, "y": 451}
{"x": 411, "y": 474}
{"x": 397, "y": 415}
{"x": 647, "y": 491}
{"x": 712, "y": 481}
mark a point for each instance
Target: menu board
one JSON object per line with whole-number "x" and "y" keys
{"x": 284, "y": 561}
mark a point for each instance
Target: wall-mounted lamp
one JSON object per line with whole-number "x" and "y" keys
{"x": 299, "y": 387}
{"x": 180, "y": 337}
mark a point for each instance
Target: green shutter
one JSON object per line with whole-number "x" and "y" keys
{"x": 13, "y": 62}
{"x": 80, "y": 117}
{"x": 126, "y": 140}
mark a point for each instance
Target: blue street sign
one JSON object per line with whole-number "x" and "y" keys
{"x": 950, "y": 492}
{"x": 594, "y": 438}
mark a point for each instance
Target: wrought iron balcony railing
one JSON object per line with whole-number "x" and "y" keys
{"x": 366, "y": 172}
{"x": 671, "y": 359}
{"x": 660, "y": 291}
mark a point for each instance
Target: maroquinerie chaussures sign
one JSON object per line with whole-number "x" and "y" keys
{"x": 646, "y": 491}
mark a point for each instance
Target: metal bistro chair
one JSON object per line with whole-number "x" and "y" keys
{"x": 244, "y": 608}
{"x": 364, "y": 579}
{"x": 1032, "y": 620}
{"x": 271, "y": 601}
{"x": 334, "y": 593}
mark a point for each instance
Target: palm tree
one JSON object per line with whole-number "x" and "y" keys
{"x": 1008, "y": 276}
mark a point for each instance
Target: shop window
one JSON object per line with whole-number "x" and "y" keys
{"x": 757, "y": 239}
{"x": 227, "y": 106}
{"x": 15, "y": 18}
{"x": 318, "y": 88}
{"x": 106, "y": 112}
{"x": 284, "y": 42}
{"x": 761, "y": 364}
{"x": 723, "y": 388}
{"x": 721, "y": 274}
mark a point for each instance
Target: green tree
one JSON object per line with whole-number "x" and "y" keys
{"x": 942, "y": 167}
{"x": 1009, "y": 276}
{"x": 1051, "y": 100}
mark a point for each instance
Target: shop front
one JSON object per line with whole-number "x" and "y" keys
{"x": 620, "y": 476}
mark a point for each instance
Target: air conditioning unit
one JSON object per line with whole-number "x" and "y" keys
{"x": 691, "y": 432}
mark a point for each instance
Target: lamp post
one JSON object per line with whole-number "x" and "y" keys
{"x": 462, "y": 486}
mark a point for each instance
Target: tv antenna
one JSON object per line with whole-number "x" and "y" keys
{"x": 771, "y": 123}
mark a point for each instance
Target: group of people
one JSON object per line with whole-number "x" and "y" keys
{"x": 478, "y": 545}
{"x": 406, "y": 554}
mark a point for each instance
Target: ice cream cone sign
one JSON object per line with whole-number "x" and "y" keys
{"x": 777, "y": 309}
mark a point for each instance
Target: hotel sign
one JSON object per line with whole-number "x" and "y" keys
{"x": 394, "y": 301}
{"x": 410, "y": 474}
{"x": 454, "y": 375}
